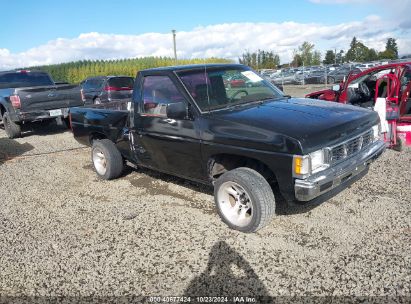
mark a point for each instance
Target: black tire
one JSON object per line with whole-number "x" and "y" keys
{"x": 399, "y": 146}
{"x": 66, "y": 122}
{"x": 12, "y": 129}
{"x": 259, "y": 192}
{"x": 113, "y": 160}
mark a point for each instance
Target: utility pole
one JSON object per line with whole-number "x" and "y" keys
{"x": 335, "y": 56}
{"x": 303, "y": 74}
{"x": 174, "y": 43}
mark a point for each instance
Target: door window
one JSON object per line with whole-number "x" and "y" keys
{"x": 98, "y": 83}
{"x": 158, "y": 92}
{"x": 405, "y": 79}
{"x": 93, "y": 84}
{"x": 86, "y": 84}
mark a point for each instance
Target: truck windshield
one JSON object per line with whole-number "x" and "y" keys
{"x": 25, "y": 79}
{"x": 217, "y": 88}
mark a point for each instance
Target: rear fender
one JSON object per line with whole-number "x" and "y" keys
{"x": 7, "y": 107}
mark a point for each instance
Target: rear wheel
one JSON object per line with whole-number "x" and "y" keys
{"x": 12, "y": 129}
{"x": 107, "y": 159}
{"x": 244, "y": 199}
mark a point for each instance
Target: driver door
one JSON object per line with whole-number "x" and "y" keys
{"x": 165, "y": 144}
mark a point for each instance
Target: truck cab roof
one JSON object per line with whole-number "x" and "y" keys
{"x": 194, "y": 67}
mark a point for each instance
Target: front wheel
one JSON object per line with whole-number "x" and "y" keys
{"x": 107, "y": 160}
{"x": 244, "y": 199}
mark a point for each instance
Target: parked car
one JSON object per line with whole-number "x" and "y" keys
{"x": 236, "y": 81}
{"x": 270, "y": 80}
{"x": 313, "y": 77}
{"x": 340, "y": 74}
{"x": 186, "y": 123}
{"x": 27, "y": 96}
{"x": 363, "y": 89}
{"x": 103, "y": 89}
{"x": 288, "y": 77}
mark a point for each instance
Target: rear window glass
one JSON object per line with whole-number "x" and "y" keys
{"x": 121, "y": 82}
{"x": 26, "y": 79}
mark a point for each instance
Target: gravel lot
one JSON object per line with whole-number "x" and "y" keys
{"x": 63, "y": 232}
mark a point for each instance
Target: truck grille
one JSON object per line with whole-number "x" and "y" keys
{"x": 350, "y": 147}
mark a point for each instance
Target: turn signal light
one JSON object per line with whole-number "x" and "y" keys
{"x": 301, "y": 165}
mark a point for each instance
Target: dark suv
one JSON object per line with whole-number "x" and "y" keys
{"x": 103, "y": 89}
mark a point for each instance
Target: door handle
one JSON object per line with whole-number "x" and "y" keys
{"x": 170, "y": 121}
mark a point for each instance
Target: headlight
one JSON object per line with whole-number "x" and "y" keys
{"x": 318, "y": 162}
{"x": 376, "y": 132}
{"x": 305, "y": 165}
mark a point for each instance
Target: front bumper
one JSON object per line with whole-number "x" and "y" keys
{"x": 322, "y": 182}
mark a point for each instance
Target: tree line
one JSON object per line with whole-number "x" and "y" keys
{"x": 307, "y": 55}
{"x": 75, "y": 72}
{"x": 260, "y": 59}
{"x": 359, "y": 52}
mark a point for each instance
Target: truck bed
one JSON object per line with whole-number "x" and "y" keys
{"x": 107, "y": 120}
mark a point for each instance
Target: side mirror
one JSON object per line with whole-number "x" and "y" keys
{"x": 336, "y": 88}
{"x": 177, "y": 110}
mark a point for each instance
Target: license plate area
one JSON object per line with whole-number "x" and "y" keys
{"x": 55, "y": 113}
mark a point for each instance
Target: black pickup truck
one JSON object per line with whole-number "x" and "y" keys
{"x": 187, "y": 122}
{"x": 27, "y": 96}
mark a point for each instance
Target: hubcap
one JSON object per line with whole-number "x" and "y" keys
{"x": 235, "y": 204}
{"x": 99, "y": 161}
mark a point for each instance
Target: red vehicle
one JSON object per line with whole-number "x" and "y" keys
{"x": 234, "y": 82}
{"x": 391, "y": 82}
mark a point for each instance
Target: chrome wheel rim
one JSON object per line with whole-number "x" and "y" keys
{"x": 235, "y": 204}
{"x": 99, "y": 161}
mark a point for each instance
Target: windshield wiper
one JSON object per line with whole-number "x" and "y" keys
{"x": 259, "y": 101}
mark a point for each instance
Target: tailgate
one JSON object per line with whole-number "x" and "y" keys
{"x": 48, "y": 98}
{"x": 35, "y": 98}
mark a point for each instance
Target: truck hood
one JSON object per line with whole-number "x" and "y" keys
{"x": 289, "y": 125}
